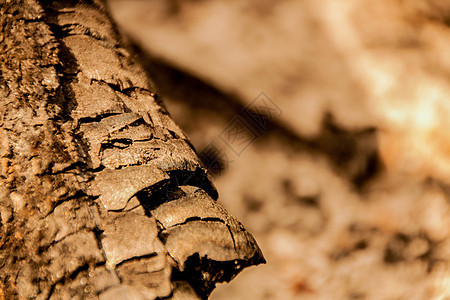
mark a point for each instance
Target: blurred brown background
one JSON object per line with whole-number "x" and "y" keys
{"x": 341, "y": 168}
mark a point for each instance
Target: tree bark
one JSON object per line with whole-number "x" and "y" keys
{"x": 101, "y": 194}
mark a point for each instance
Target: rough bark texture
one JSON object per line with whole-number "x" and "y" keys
{"x": 101, "y": 194}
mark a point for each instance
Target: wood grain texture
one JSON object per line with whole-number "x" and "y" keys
{"x": 101, "y": 194}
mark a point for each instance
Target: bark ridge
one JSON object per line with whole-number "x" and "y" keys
{"x": 101, "y": 195}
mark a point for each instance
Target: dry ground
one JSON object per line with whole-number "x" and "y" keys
{"x": 344, "y": 180}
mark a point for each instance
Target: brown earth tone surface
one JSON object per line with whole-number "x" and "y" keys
{"x": 102, "y": 196}
{"x": 343, "y": 175}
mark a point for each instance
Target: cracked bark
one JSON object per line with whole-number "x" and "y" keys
{"x": 101, "y": 195}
